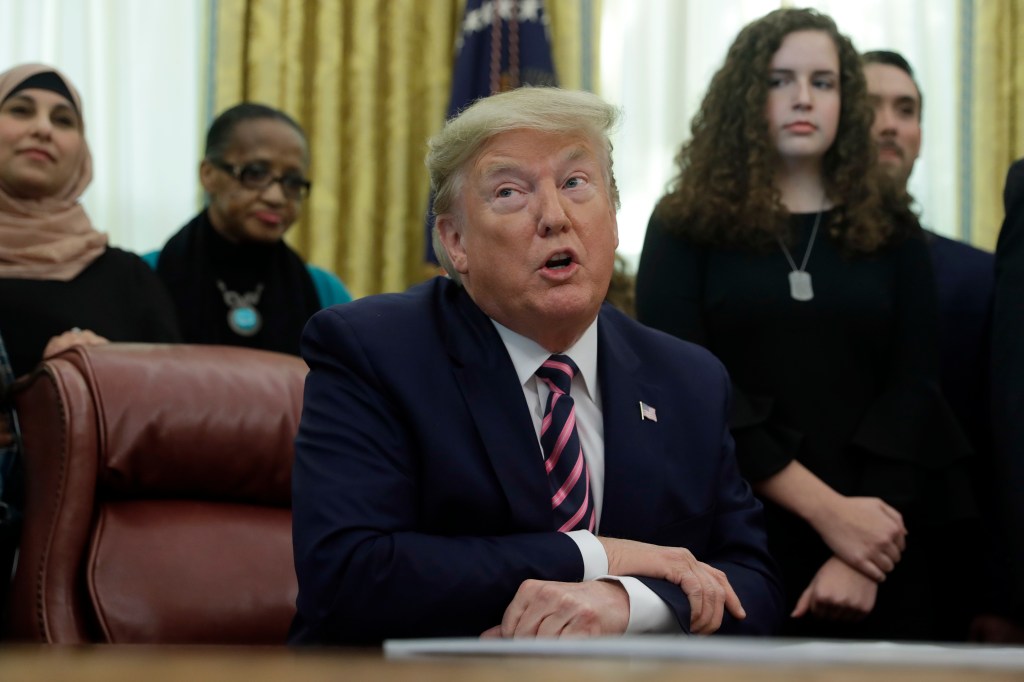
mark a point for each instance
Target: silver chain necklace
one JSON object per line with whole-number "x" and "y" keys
{"x": 243, "y": 317}
{"x": 799, "y": 279}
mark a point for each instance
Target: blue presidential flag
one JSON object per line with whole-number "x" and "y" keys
{"x": 503, "y": 45}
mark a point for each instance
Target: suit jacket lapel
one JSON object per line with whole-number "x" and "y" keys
{"x": 632, "y": 446}
{"x": 494, "y": 398}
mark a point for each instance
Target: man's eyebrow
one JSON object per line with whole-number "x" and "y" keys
{"x": 898, "y": 100}
{"x": 578, "y": 152}
{"x": 499, "y": 168}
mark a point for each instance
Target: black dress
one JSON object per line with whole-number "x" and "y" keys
{"x": 117, "y": 296}
{"x": 845, "y": 383}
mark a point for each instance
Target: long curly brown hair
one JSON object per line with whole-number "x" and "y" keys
{"x": 725, "y": 194}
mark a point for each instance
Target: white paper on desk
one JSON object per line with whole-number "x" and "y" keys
{"x": 721, "y": 648}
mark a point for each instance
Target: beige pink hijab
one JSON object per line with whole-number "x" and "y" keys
{"x": 50, "y": 237}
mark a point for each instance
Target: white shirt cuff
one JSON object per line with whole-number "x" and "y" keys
{"x": 647, "y": 612}
{"x": 595, "y": 559}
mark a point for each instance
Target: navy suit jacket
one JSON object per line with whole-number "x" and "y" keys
{"x": 965, "y": 281}
{"x": 1008, "y": 381}
{"x": 420, "y": 500}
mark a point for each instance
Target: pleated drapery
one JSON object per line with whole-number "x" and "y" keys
{"x": 997, "y": 122}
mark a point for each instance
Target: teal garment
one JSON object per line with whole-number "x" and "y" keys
{"x": 329, "y": 289}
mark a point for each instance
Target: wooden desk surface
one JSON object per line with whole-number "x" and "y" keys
{"x": 216, "y": 664}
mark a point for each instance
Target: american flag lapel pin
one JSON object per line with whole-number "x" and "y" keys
{"x": 647, "y": 412}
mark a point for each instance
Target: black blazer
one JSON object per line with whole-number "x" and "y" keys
{"x": 1008, "y": 380}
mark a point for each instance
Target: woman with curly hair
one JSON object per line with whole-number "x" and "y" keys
{"x": 781, "y": 249}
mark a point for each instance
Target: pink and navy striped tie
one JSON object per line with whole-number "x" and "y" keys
{"x": 571, "y": 503}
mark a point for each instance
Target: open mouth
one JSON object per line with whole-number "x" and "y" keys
{"x": 559, "y": 261}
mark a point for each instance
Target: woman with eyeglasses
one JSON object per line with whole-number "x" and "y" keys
{"x": 61, "y": 284}
{"x": 233, "y": 279}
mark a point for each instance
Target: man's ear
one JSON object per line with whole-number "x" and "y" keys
{"x": 208, "y": 176}
{"x": 450, "y": 233}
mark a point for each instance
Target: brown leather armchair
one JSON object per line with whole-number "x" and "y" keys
{"x": 158, "y": 492}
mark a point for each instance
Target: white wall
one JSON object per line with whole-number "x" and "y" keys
{"x": 658, "y": 56}
{"x": 140, "y": 66}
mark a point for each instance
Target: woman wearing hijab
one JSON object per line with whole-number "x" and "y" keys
{"x": 233, "y": 279}
{"x": 60, "y": 282}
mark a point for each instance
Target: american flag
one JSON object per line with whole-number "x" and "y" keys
{"x": 647, "y": 412}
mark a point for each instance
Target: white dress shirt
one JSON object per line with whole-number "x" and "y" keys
{"x": 647, "y": 612}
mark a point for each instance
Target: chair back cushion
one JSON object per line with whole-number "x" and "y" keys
{"x": 158, "y": 488}
{"x": 211, "y": 573}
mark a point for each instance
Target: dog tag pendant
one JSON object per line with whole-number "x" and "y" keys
{"x": 800, "y": 285}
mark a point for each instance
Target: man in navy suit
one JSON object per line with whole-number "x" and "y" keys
{"x": 425, "y": 501}
{"x": 964, "y": 275}
{"x": 964, "y": 279}
{"x": 1008, "y": 399}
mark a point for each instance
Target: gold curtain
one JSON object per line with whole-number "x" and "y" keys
{"x": 997, "y": 130}
{"x": 369, "y": 81}
{"x": 569, "y": 20}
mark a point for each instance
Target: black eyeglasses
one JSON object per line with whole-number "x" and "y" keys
{"x": 257, "y": 176}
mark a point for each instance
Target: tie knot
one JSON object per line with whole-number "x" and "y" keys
{"x": 558, "y": 371}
